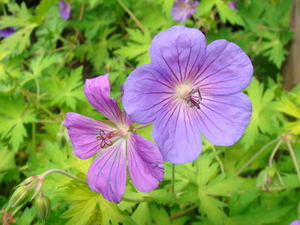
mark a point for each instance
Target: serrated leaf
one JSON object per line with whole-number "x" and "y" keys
{"x": 7, "y": 161}
{"x": 137, "y": 46}
{"x": 13, "y": 115}
{"x": 228, "y": 14}
{"x": 142, "y": 214}
{"x": 264, "y": 116}
{"x": 81, "y": 213}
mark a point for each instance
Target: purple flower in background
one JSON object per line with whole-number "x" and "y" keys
{"x": 232, "y": 4}
{"x": 188, "y": 89}
{"x": 183, "y": 9}
{"x": 295, "y": 222}
{"x": 65, "y": 9}
{"x": 7, "y": 31}
{"x": 118, "y": 144}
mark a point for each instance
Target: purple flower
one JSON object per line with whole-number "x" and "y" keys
{"x": 295, "y": 222}
{"x": 65, "y": 9}
{"x": 7, "y": 31}
{"x": 118, "y": 143}
{"x": 183, "y": 9}
{"x": 232, "y": 5}
{"x": 188, "y": 89}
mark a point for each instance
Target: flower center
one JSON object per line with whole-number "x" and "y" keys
{"x": 192, "y": 96}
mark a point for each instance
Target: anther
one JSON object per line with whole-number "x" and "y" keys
{"x": 104, "y": 138}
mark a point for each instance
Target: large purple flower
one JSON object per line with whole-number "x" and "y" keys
{"x": 117, "y": 141}
{"x": 65, "y": 9}
{"x": 188, "y": 89}
{"x": 183, "y": 9}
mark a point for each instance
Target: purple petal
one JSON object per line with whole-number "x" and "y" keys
{"x": 176, "y": 134}
{"x": 147, "y": 90}
{"x": 107, "y": 174}
{"x": 145, "y": 163}
{"x": 6, "y": 32}
{"x": 97, "y": 91}
{"x": 179, "y": 50}
{"x": 83, "y": 132}
{"x": 226, "y": 69}
{"x": 223, "y": 119}
{"x": 65, "y": 9}
{"x": 183, "y": 10}
{"x": 295, "y": 222}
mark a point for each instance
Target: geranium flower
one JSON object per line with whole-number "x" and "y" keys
{"x": 295, "y": 222}
{"x": 183, "y": 10}
{"x": 188, "y": 89}
{"x": 6, "y": 32}
{"x": 118, "y": 143}
{"x": 65, "y": 9}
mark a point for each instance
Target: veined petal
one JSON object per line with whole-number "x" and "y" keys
{"x": 83, "y": 132}
{"x": 97, "y": 91}
{"x": 147, "y": 90}
{"x": 179, "y": 50}
{"x": 107, "y": 174}
{"x": 176, "y": 134}
{"x": 223, "y": 119}
{"x": 145, "y": 163}
{"x": 226, "y": 69}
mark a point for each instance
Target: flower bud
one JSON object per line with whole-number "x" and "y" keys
{"x": 262, "y": 179}
{"x": 19, "y": 197}
{"x": 43, "y": 206}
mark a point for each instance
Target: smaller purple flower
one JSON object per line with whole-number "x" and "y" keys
{"x": 6, "y": 32}
{"x": 232, "y": 4}
{"x": 295, "y": 222}
{"x": 65, "y": 9}
{"x": 183, "y": 10}
{"x": 117, "y": 143}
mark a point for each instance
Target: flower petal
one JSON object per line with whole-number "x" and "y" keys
{"x": 176, "y": 135}
{"x": 179, "y": 50}
{"x": 145, "y": 163}
{"x": 147, "y": 89}
{"x": 226, "y": 69}
{"x": 65, "y": 9}
{"x": 107, "y": 174}
{"x": 223, "y": 119}
{"x": 83, "y": 132}
{"x": 97, "y": 91}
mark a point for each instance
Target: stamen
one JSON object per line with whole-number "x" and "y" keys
{"x": 105, "y": 138}
{"x": 194, "y": 100}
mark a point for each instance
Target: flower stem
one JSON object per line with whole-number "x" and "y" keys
{"x": 257, "y": 154}
{"x": 218, "y": 159}
{"x": 136, "y": 199}
{"x": 183, "y": 212}
{"x": 132, "y": 15}
{"x": 173, "y": 179}
{"x": 288, "y": 143}
{"x": 274, "y": 152}
{"x": 63, "y": 173}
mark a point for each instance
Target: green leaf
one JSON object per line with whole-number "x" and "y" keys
{"x": 137, "y": 46}
{"x": 226, "y": 13}
{"x": 69, "y": 90}
{"x": 142, "y": 214}
{"x": 264, "y": 116}
{"x": 7, "y": 161}
{"x": 81, "y": 213}
{"x": 14, "y": 113}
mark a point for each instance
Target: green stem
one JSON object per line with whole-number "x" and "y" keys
{"x": 33, "y": 137}
{"x": 3, "y": 9}
{"x": 218, "y": 159}
{"x": 288, "y": 143}
{"x": 183, "y": 212}
{"x": 173, "y": 179}
{"x": 257, "y": 154}
{"x": 274, "y": 152}
{"x": 136, "y": 200}
{"x": 132, "y": 15}
{"x": 63, "y": 173}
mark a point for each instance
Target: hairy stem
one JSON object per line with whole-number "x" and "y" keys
{"x": 288, "y": 143}
{"x": 63, "y": 173}
{"x": 274, "y": 152}
{"x": 132, "y": 15}
{"x": 257, "y": 154}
